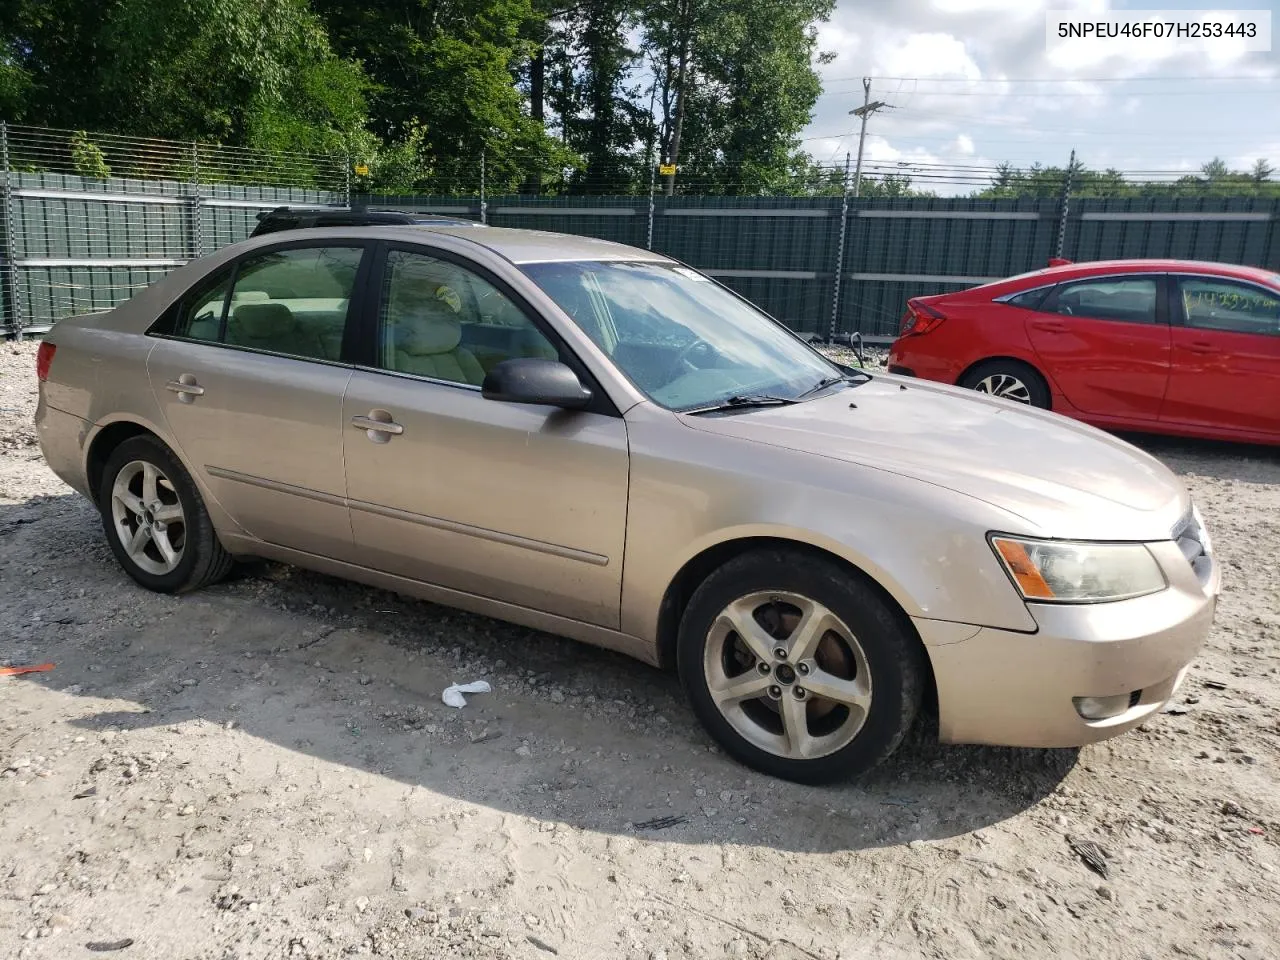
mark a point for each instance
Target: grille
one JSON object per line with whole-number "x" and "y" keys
{"x": 1193, "y": 541}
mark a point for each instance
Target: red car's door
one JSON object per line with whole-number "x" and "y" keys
{"x": 1105, "y": 342}
{"x": 1226, "y": 356}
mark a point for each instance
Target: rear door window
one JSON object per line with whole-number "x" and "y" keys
{"x": 1122, "y": 299}
{"x": 293, "y": 302}
{"x": 1211, "y": 304}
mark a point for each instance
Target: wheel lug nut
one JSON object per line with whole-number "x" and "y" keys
{"x": 775, "y": 692}
{"x": 802, "y": 668}
{"x": 780, "y": 653}
{"x": 801, "y": 693}
{"x": 763, "y": 668}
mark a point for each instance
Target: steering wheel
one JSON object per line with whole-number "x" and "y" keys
{"x": 682, "y": 358}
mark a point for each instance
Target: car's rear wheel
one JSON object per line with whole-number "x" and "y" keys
{"x": 799, "y": 668}
{"x": 155, "y": 519}
{"x": 1011, "y": 380}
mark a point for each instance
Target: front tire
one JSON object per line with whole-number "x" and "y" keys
{"x": 155, "y": 519}
{"x": 799, "y": 668}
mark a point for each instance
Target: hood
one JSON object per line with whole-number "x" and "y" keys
{"x": 1063, "y": 477}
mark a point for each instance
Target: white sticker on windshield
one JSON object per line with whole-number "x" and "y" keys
{"x": 691, "y": 274}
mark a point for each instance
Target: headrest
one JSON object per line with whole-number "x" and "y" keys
{"x": 245, "y": 296}
{"x": 423, "y": 336}
{"x": 259, "y": 320}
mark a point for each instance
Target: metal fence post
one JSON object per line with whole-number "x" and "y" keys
{"x": 653, "y": 170}
{"x": 844, "y": 226}
{"x": 197, "y": 207}
{"x": 483, "y": 206}
{"x": 1066, "y": 206}
{"x": 12, "y": 302}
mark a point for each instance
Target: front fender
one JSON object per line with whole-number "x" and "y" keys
{"x": 924, "y": 544}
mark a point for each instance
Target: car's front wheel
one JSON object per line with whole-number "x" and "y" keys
{"x": 155, "y": 519}
{"x": 798, "y": 667}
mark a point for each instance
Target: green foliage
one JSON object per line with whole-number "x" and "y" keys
{"x": 555, "y": 95}
{"x": 1214, "y": 180}
{"x": 87, "y": 158}
{"x": 444, "y": 90}
{"x": 751, "y": 89}
{"x": 254, "y": 73}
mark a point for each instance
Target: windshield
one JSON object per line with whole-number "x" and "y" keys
{"x": 684, "y": 341}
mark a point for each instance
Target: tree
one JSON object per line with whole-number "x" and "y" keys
{"x": 599, "y": 114}
{"x": 736, "y": 85}
{"x": 446, "y": 70}
{"x": 252, "y": 72}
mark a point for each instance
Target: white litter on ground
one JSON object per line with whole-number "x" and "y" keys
{"x": 453, "y": 695}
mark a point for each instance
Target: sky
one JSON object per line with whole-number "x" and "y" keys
{"x": 958, "y": 74}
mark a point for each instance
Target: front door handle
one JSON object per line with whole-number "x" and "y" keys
{"x": 378, "y": 426}
{"x": 186, "y": 388}
{"x": 1202, "y": 347}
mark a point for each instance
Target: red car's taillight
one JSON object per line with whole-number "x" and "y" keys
{"x": 44, "y": 359}
{"x": 920, "y": 318}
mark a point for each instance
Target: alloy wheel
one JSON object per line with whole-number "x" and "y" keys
{"x": 787, "y": 674}
{"x": 148, "y": 517}
{"x": 1004, "y": 385}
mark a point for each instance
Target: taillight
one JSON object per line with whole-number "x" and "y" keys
{"x": 44, "y": 359}
{"x": 920, "y": 318}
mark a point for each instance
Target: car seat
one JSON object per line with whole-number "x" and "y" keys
{"x": 273, "y": 327}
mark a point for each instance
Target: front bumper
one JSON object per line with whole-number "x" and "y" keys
{"x": 1018, "y": 689}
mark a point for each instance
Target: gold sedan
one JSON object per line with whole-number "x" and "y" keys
{"x": 600, "y": 442}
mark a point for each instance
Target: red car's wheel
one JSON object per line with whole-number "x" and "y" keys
{"x": 1011, "y": 380}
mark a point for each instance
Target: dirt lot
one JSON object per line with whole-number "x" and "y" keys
{"x": 265, "y": 769}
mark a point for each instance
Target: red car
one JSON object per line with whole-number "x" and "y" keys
{"x": 1160, "y": 346}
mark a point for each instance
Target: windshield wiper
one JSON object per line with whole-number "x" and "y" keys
{"x": 744, "y": 402}
{"x": 832, "y": 381}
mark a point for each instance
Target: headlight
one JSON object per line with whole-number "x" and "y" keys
{"x": 1054, "y": 570}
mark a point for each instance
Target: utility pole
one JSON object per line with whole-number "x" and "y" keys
{"x": 1066, "y": 206}
{"x": 864, "y": 111}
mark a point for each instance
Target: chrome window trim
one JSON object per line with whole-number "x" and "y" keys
{"x": 1006, "y": 297}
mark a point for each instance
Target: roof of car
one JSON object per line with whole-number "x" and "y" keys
{"x": 538, "y": 246}
{"x": 1087, "y": 267}
{"x": 1093, "y": 268}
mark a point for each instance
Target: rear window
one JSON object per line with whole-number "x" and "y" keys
{"x": 1028, "y": 299}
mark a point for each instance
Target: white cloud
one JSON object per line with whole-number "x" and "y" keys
{"x": 970, "y": 100}
{"x": 926, "y": 55}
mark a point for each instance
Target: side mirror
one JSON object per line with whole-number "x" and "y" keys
{"x": 535, "y": 380}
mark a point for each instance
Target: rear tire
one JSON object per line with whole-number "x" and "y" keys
{"x": 1011, "y": 380}
{"x": 799, "y": 668}
{"x": 155, "y": 519}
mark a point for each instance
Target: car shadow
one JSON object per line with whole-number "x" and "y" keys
{"x": 353, "y": 676}
{"x": 1219, "y": 459}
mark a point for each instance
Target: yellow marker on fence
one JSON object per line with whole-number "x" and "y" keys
{"x": 667, "y": 169}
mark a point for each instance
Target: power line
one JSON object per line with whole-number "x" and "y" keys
{"x": 1255, "y": 77}
{"x": 1048, "y": 95}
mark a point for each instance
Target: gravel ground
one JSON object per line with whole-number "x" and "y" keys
{"x": 265, "y": 769}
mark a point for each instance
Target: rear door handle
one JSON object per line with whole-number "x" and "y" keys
{"x": 1202, "y": 347}
{"x": 1049, "y": 326}
{"x": 377, "y": 429}
{"x": 185, "y": 387}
